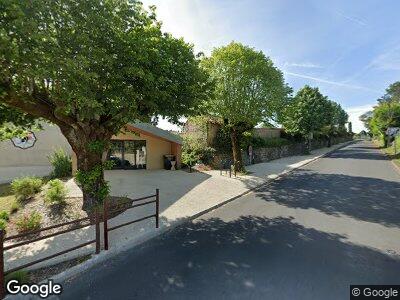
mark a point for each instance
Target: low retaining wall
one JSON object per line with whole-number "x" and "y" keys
{"x": 268, "y": 154}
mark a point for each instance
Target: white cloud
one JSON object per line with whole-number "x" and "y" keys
{"x": 388, "y": 61}
{"x": 353, "y": 19}
{"x": 303, "y": 65}
{"x": 346, "y": 85}
{"x": 196, "y": 22}
{"x": 355, "y": 113}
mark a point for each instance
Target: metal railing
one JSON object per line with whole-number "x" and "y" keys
{"x": 227, "y": 166}
{"x": 4, "y": 247}
{"x": 107, "y": 212}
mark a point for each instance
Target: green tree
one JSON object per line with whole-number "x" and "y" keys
{"x": 392, "y": 93}
{"x": 90, "y": 67}
{"x": 335, "y": 119}
{"x": 247, "y": 90}
{"x": 306, "y": 114}
{"x": 366, "y": 119}
{"x": 385, "y": 115}
{"x": 15, "y": 123}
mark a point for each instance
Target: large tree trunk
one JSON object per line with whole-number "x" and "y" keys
{"x": 89, "y": 162}
{"x": 237, "y": 155}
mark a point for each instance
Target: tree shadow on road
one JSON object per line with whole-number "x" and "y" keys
{"x": 357, "y": 153}
{"x": 364, "y": 198}
{"x": 246, "y": 258}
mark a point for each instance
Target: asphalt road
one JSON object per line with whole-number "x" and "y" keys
{"x": 309, "y": 235}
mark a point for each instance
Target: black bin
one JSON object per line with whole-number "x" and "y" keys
{"x": 167, "y": 161}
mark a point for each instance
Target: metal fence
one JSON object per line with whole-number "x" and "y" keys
{"x": 107, "y": 211}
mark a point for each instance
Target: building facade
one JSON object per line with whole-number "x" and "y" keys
{"x": 137, "y": 146}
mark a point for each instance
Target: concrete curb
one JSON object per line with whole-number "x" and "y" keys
{"x": 279, "y": 176}
{"x": 106, "y": 255}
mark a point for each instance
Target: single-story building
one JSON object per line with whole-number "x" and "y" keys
{"x": 137, "y": 146}
{"x": 142, "y": 146}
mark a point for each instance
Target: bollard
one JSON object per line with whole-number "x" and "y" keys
{"x": 97, "y": 231}
{"x": 105, "y": 224}
{"x": 157, "y": 208}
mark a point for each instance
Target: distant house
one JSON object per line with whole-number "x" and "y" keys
{"x": 137, "y": 146}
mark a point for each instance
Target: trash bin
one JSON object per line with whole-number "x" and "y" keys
{"x": 167, "y": 161}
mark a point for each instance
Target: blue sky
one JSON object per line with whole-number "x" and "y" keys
{"x": 349, "y": 49}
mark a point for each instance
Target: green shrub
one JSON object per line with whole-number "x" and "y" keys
{"x": 29, "y": 222}
{"x": 21, "y": 276}
{"x": 62, "y": 164}
{"x": 3, "y": 224}
{"x": 4, "y": 215}
{"x": 207, "y": 154}
{"x": 56, "y": 192}
{"x": 15, "y": 206}
{"x": 195, "y": 149}
{"x": 189, "y": 158}
{"x": 26, "y": 187}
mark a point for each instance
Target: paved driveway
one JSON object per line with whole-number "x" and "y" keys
{"x": 309, "y": 235}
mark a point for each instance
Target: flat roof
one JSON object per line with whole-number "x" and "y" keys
{"x": 158, "y": 132}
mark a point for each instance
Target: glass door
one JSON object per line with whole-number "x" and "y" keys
{"x": 128, "y": 154}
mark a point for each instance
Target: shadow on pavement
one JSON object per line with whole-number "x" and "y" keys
{"x": 246, "y": 258}
{"x": 364, "y": 198}
{"x": 356, "y": 153}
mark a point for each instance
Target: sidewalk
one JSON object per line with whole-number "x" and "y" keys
{"x": 182, "y": 195}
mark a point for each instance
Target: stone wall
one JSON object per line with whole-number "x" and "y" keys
{"x": 268, "y": 154}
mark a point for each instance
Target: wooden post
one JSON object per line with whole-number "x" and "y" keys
{"x": 2, "y": 281}
{"x": 157, "y": 208}
{"x": 97, "y": 231}
{"x": 105, "y": 217}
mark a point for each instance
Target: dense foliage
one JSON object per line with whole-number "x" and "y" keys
{"x": 195, "y": 149}
{"x": 247, "y": 90}
{"x": 311, "y": 113}
{"x": 90, "y": 67}
{"x": 384, "y": 115}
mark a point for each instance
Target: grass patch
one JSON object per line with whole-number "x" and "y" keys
{"x": 21, "y": 276}
{"x": 7, "y": 197}
{"x": 395, "y": 157}
{"x": 29, "y": 222}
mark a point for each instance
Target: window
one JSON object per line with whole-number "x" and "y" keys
{"x": 128, "y": 154}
